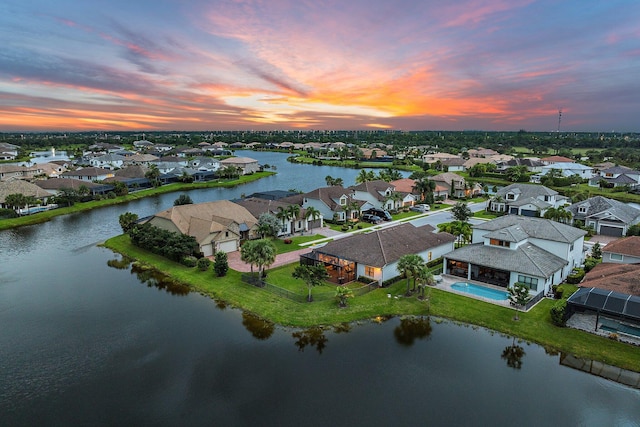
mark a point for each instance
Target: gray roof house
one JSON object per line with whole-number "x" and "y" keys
{"x": 617, "y": 176}
{"x": 606, "y": 216}
{"x": 525, "y": 199}
{"x": 333, "y": 202}
{"x": 535, "y": 251}
{"x": 379, "y": 194}
{"x": 375, "y": 255}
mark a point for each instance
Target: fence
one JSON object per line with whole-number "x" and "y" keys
{"x": 254, "y": 280}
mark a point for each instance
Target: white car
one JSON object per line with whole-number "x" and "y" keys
{"x": 420, "y": 208}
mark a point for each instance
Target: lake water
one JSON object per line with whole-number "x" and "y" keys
{"x": 83, "y": 343}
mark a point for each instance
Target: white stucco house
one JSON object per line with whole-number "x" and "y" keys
{"x": 525, "y": 199}
{"x": 535, "y": 251}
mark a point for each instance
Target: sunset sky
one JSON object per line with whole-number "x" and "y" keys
{"x": 74, "y": 65}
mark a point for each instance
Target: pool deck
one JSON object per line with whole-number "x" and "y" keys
{"x": 448, "y": 280}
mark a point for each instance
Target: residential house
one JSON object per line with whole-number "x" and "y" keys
{"x": 108, "y": 161}
{"x": 103, "y": 147}
{"x": 10, "y": 172}
{"x": 54, "y": 186}
{"x": 19, "y": 186}
{"x": 556, "y": 159}
{"x": 535, "y": 251}
{"x": 525, "y": 199}
{"x": 455, "y": 185}
{"x": 53, "y": 170}
{"x": 532, "y": 164}
{"x": 482, "y": 152}
{"x": 273, "y": 194}
{"x": 140, "y": 159}
{"x": 434, "y": 157}
{"x": 375, "y": 255}
{"x": 621, "y": 278}
{"x": 257, "y": 206}
{"x": 607, "y": 216}
{"x": 568, "y": 169}
{"x": 380, "y": 194}
{"x": 373, "y": 153}
{"x": 205, "y": 164}
{"x": 406, "y": 187}
{"x": 169, "y": 163}
{"x": 335, "y": 202}
{"x": 162, "y": 148}
{"x": 88, "y": 174}
{"x": 247, "y": 165}
{"x": 623, "y": 251}
{"x": 189, "y": 152}
{"x": 217, "y": 226}
{"x": 454, "y": 165}
{"x": 8, "y": 151}
{"x": 616, "y": 176}
{"x": 143, "y": 144}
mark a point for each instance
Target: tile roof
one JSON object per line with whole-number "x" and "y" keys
{"x": 526, "y": 190}
{"x": 622, "y": 278}
{"x": 625, "y": 246}
{"x": 202, "y": 219}
{"x": 386, "y": 246}
{"x": 257, "y": 206}
{"x": 404, "y": 185}
{"x": 18, "y": 186}
{"x": 527, "y": 259}
{"x": 514, "y": 233}
{"x": 331, "y": 196}
{"x": 539, "y": 228}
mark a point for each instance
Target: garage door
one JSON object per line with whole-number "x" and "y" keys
{"x": 527, "y": 212}
{"x": 610, "y": 231}
{"x": 229, "y": 246}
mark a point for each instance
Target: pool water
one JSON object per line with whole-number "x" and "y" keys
{"x": 480, "y": 291}
{"x": 613, "y": 326}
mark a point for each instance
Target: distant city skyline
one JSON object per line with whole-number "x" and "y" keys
{"x": 494, "y": 65}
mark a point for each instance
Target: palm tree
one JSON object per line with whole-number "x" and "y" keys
{"x": 261, "y": 252}
{"x": 282, "y": 215}
{"x": 424, "y": 186}
{"x": 394, "y": 197}
{"x": 409, "y": 265}
{"x": 365, "y": 176}
{"x": 293, "y": 211}
{"x": 153, "y": 175}
{"x": 311, "y": 214}
{"x": 424, "y": 278}
{"x": 351, "y": 207}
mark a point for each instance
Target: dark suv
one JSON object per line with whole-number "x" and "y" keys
{"x": 386, "y": 216}
{"x": 373, "y": 219}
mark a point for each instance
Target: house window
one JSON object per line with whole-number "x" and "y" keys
{"x": 343, "y": 201}
{"x": 531, "y": 282}
{"x": 430, "y": 256}
{"x": 615, "y": 257}
{"x": 496, "y": 242}
{"x": 582, "y": 209}
{"x": 571, "y": 248}
{"x": 511, "y": 196}
{"x": 226, "y": 234}
{"x": 369, "y": 271}
{"x": 546, "y": 198}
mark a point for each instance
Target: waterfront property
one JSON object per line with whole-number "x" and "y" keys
{"x": 534, "y": 251}
{"x": 525, "y": 199}
{"x": 217, "y": 226}
{"x": 480, "y": 291}
{"x": 375, "y": 255}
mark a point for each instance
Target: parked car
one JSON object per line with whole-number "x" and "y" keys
{"x": 373, "y": 219}
{"x": 384, "y": 215}
{"x": 420, "y": 208}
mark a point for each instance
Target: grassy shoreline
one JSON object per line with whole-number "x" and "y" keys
{"x": 534, "y": 326}
{"x": 41, "y": 217}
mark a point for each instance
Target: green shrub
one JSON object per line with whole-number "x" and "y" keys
{"x": 189, "y": 261}
{"x": 8, "y": 213}
{"x": 221, "y": 265}
{"x": 576, "y": 276}
{"x": 558, "y": 312}
{"x": 589, "y": 263}
{"x": 203, "y": 264}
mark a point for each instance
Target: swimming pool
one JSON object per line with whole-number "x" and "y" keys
{"x": 480, "y": 291}
{"x": 613, "y": 326}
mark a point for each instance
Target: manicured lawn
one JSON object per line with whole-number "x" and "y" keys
{"x": 85, "y": 206}
{"x": 533, "y": 326}
{"x": 296, "y": 241}
{"x": 485, "y": 215}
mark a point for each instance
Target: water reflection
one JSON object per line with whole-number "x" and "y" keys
{"x": 150, "y": 277}
{"x": 412, "y": 328}
{"x": 258, "y": 327}
{"x": 313, "y": 337}
{"x": 513, "y": 354}
{"x": 613, "y": 373}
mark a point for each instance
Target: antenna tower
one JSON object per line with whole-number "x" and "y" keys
{"x": 559, "y": 118}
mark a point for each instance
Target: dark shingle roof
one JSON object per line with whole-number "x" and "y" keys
{"x": 621, "y": 278}
{"x": 386, "y": 246}
{"x": 527, "y": 259}
{"x": 599, "y": 205}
